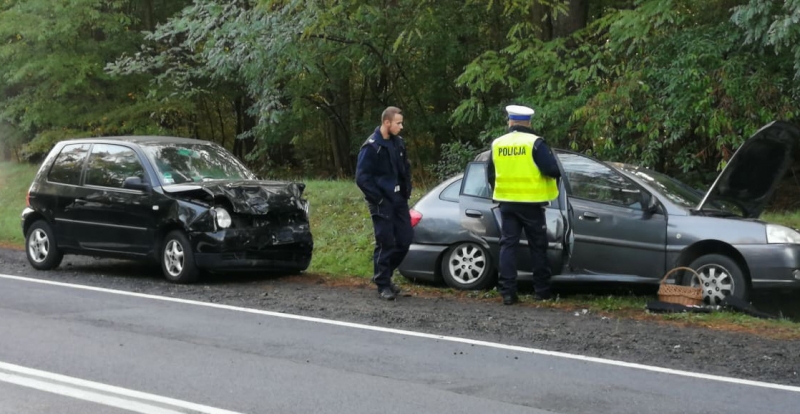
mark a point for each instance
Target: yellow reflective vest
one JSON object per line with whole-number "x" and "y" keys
{"x": 517, "y": 178}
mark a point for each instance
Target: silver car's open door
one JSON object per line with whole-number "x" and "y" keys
{"x": 481, "y": 217}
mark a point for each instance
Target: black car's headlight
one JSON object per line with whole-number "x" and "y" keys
{"x": 781, "y": 234}
{"x": 222, "y": 217}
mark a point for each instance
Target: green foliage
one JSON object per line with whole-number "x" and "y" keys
{"x": 672, "y": 84}
{"x": 53, "y": 84}
{"x": 668, "y": 84}
{"x": 771, "y": 25}
{"x": 454, "y": 158}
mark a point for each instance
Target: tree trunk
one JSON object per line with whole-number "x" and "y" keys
{"x": 340, "y": 136}
{"x": 149, "y": 16}
{"x": 575, "y": 19}
{"x": 542, "y": 20}
{"x": 221, "y": 124}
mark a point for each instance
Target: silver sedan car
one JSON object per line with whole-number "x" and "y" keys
{"x": 623, "y": 223}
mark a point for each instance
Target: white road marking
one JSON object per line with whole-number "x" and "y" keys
{"x": 85, "y": 395}
{"x": 421, "y": 335}
{"x": 101, "y": 393}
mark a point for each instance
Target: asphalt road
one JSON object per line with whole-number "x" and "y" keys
{"x": 166, "y": 356}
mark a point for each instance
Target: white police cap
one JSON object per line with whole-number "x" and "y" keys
{"x": 519, "y": 113}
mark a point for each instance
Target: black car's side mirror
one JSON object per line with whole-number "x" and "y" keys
{"x": 135, "y": 183}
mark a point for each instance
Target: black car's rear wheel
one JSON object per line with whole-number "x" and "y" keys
{"x": 177, "y": 258}
{"x": 40, "y": 246}
{"x": 720, "y": 276}
{"x": 467, "y": 266}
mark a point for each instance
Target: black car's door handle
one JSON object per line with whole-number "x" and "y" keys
{"x": 589, "y": 216}
{"x": 81, "y": 201}
{"x": 473, "y": 213}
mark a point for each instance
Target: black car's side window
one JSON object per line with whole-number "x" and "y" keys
{"x": 109, "y": 166}
{"x": 474, "y": 182}
{"x": 68, "y": 165}
{"x": 593, "y": 181}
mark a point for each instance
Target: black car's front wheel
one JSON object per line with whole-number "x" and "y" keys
{"x": 177, "y": 258}
{"x": 720, "y": 276}
{"x": 467, "y": 266}
{"x": 40, "y": 246}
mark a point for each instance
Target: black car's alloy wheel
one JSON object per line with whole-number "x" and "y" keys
{"x": 40, "y": 246}
{"x": 467, "y": 266}
{"x": 177, "y": 258}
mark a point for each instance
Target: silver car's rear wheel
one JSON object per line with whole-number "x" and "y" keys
{"x": 467, "y": 266}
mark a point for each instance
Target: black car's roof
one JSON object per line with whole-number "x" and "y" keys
{"x": 140, "y": 139}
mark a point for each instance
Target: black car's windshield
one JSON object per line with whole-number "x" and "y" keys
{"x": 680, "y": 193}
{"x": 185, "y": 163}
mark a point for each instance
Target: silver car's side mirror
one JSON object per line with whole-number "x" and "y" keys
{"x": 649, "y": 203}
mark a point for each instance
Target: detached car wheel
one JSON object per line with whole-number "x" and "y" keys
{"x": 467, "y": 266}
{"x": 40, "y": 246}
{"x": 720, "y": 277}
{"x": 177, "y": 258}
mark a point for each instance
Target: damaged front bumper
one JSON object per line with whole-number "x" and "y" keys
{"x": 288, "y": 248}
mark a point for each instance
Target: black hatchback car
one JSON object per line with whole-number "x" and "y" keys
{"x": 189, "y": 204}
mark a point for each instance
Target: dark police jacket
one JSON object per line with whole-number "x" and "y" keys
{"x": 380, "y": 170}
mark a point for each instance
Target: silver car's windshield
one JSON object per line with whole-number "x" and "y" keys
{"x": 185, "y": 163}
{"x": 680, "y": 193}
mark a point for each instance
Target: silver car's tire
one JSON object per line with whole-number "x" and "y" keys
{"x": 468, "y": 266}
{"x": 41, "y": 248}
{"x": 720, "y": 276}
{"x": 177, "y": 258}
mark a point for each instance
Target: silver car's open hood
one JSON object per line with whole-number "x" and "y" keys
{"x": 755, "y": 169}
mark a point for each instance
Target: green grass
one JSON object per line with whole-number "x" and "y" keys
{"x": 791, "y": 219}
{"x": 15, "y": 179}
{"x": 342, "y": 228}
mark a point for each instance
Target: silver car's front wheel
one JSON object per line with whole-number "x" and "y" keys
{"x": 467, "y": 266}
{"x": 716, "y": 282}
{"x": 719, "y": 277}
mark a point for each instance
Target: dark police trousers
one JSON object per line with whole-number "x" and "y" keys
{"x": 393, "y": 233}
{"x": 531, "y": 218}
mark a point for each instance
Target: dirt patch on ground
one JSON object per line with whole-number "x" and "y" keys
{"x": 628, "y": 335}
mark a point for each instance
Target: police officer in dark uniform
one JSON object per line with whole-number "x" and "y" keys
{"x": 384, "y": 176}
{"x": 523, "y": 174}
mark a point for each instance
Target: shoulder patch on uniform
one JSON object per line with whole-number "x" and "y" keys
{"x": 371, "y": 140}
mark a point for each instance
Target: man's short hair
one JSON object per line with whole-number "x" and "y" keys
{"x": 389, "y": 113}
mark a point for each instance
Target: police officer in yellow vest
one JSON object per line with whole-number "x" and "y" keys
{"x": 523, "y": 173}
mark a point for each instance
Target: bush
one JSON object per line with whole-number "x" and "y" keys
{"x": 455, "y": 157}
